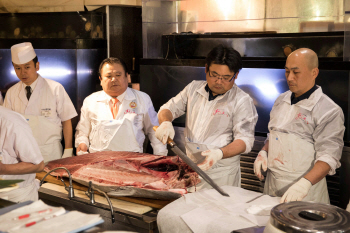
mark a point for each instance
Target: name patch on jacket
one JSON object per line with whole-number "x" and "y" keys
{"x": 220, "y": 112}
{"x": 301, "y": 117}
{"x": 129, "y": 111}
{"x": 46, "y": 112}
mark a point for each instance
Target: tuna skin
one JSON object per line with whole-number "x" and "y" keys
{"x": 141, "y": 170}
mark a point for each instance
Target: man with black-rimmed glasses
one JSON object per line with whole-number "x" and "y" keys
{"x": 219, "y": 115}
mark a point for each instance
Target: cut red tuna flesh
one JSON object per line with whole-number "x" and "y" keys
{"x": 139, "y": 170}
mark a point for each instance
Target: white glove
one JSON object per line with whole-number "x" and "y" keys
{"x": 164, "y": 131}
{"x": 212, "y": 156}
{"x": 67, "y": 153}
{"x": 82, "y": 152}
{"x": 260, "y": 162}
{"x": 297, "y": 191}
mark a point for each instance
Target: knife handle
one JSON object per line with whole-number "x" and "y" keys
{"x": 169, "y": 141}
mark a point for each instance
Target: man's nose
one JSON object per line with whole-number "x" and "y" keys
{"x": 219, "y": 80}
{"x": 289, "y": 76}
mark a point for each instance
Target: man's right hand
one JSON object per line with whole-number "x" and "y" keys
{"x": 164, "y": 131}
{"x": 82, "y": 149}
{"x": 260, "y": 162}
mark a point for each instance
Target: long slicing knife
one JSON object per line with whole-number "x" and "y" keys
{"x": 192, "y": 165}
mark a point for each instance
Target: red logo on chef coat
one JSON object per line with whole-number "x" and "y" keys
{"x": 220, "y": 112}
{"x": 302, "y": 117}
{"x": 129, "y": 111}
{"x": 133, "y": 104}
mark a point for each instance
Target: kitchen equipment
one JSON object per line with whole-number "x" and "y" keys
{"x": 192, "y": 165}
{"x": 299, "y": 216}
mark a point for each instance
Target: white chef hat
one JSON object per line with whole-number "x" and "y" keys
{"x": 22, "y": 53}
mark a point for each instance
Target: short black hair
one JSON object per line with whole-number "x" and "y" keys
{"x": 224, "y": 55}
{"x": 113, "y": 60}
{"x": 35, "y": 60}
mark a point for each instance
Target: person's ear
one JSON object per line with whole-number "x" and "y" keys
{"x": 315, "y": 72}
{"x": 206, "y": 68}
{"x": 37, "y": 65}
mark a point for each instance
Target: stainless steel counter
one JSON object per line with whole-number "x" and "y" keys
{"x": 125, "y": 220}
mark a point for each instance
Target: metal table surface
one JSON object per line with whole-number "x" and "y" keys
{"x": 125, "y": 220}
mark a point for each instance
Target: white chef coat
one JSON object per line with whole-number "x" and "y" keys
{"x": 135, "y": 112}
{"x": 317, "y": 120}
{"x": 48, "y": 106}
{"x": 17, "y": 144}
{"x": 48, "y": 99}
{"x": 216, "y": 124}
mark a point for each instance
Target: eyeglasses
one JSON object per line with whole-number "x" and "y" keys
{"x": 224, "y": 78}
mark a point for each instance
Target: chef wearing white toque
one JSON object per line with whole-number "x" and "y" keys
{"x": 44, "y": 103}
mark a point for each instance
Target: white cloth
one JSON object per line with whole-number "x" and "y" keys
{"x": 48, "y": 106}
{"x": 136, "y": 117}
{"x": 17, "y": 144}
{"x": 317, "y": 120}
{"x": 216, "y": 124}
{"x": 209, "y": 211}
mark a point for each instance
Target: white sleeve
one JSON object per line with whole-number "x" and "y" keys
{"x": 177, "y": 105}
{"x": 24, "y": 143}
{"x": 84, "y": 126}
{"x": 65, "y": 107}
{"x": 150, "y": 120}
{"x": 328, "y": 136}
{"x": 244, "y": 122}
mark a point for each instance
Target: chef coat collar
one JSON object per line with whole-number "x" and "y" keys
{"x": 211, "y": 96}
{"x": 306, "y": 95}
{"x": 33, "y": 85}
{"x": 203, "y": 91}
{"x": 128, "y": 95}
{"x": 308, "y": 103}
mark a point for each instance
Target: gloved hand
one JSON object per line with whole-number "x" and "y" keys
{"x": 212, "y": 156}
{"x": 164, "y": 131}
{"x": 297, "y": 191}
{"x": 67, "y": 153}
{"x": 82, "y": 153}
{"x": 260, "y": 162}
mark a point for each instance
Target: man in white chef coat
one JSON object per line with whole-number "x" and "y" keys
{"x": 43, "y": 102}
{"x": 219, "y": 115}
{"x": 20, "y": 156}
{"x": 306, "y": 136}
{"x": 118, "y": 117}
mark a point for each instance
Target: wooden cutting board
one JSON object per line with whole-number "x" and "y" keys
{"x": 157, "y": 204}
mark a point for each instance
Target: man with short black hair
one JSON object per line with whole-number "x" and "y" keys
{"x": 43, "y": 102}
{"x": 118, "y": 117}
{"x": 218, "y": 114}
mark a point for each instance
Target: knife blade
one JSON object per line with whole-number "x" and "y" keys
{"x": 192, "y": 165}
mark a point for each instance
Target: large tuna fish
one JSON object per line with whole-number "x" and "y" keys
{"x": 129, "y": 173}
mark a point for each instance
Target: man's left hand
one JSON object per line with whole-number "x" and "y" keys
{"x": 67, "y": 153}
{"x": 212, "y": 156}
{"x": 297, "y": 191}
